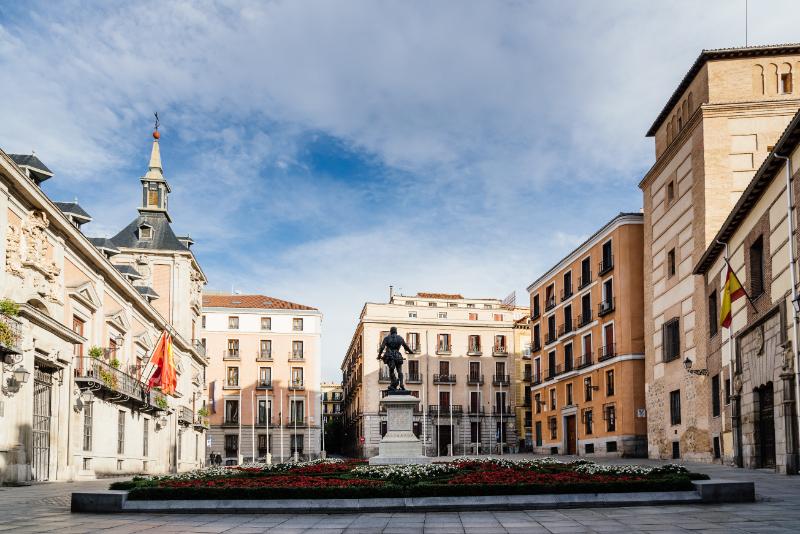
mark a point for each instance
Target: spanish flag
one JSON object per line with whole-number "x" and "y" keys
{"x": 732, "y": 291}
{"x": 164, "y": 373}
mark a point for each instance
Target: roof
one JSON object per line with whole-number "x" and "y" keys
{"x": 769, "y": 169}
{"x": 146, "y": 291}
{"x": 717, "y": 54}
{"x": 129, "y": 271}
{"x": 449, "y": 296}
{"x": 553, "y": 270}
{"x": 251, "y": 301}
{"x": 103, "y": 243}
{"x": 72, "y": 208}
{"x": 163, "y": 236}
{"x": 38, "y": 169}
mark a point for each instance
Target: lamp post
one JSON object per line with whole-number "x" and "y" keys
{"x": 796, "y": 303}
{"x": 699, "y": 372}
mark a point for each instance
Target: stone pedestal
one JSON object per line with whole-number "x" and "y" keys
{"x": 399, "y": 445}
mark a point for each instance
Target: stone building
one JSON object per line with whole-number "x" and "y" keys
{"x": 752, "y": 367}
{"x": 263, "y": 377}
{"x": 587, "y": 356}
{"x": 81, "y": 319}
{"x": 461, "y": 368}
{"x": 710, "y": 137}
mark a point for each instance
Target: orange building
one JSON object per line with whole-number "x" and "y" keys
{"x": 587, "y": 357}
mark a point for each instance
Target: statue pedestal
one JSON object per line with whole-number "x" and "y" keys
{"x": 399, "y": 445}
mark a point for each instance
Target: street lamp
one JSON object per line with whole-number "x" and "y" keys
{"x": 688, "y": 364}
{"x": 796, "y": 303}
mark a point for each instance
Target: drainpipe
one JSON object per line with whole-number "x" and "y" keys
{"x": 792, "y": 261}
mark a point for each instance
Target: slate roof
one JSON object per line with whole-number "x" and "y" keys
{"x": 38, "y": 169}
{"x": 72, "y": 208}
{"x": 128, "y": 270}
{"x": 716, "y": 54}
{"x": 103, "y": 243}
{"x": 146, "y": 291}
{"x": 163, "y": 236}
{"x": 251, "y": 301}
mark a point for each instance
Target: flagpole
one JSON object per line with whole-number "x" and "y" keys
{"x": 253, "y": 431}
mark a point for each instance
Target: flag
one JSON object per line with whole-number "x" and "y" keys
{"x": 164, "y": 373}
{"x": 732, "y": 291}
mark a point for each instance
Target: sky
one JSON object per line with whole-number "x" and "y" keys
{"x": 321, "y": 151}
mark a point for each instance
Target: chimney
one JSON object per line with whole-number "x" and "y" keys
{"x": 391, "y": 294}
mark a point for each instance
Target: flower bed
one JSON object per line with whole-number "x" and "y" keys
{"x": 356, "y": 479}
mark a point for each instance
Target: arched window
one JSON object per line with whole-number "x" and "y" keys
{"x": 758, "y": 80}
{"x": 691, "y": 103}
{"x": 785, "y": 79}
{"x": 772, "y": 79}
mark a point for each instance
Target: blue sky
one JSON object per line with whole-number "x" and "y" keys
{"x": 321, "y": 151}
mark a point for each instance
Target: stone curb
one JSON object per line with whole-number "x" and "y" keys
{"x": 707, "y": 491}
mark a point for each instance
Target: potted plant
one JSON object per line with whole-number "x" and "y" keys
{"x": 161, "y": 402}
{"x": 95, "y": 352}
{"x": 114, "y": 363}
{"x": 9, "y": 336}
{"x": 9, "y": 307}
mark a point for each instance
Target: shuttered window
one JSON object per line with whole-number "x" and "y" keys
{"x": 713, "y": 315}
{"x": 671, "y": 342}
{"x": 675, "y": 407}
{"x": 757, "y": 268}
{"x": 715, "y": 396}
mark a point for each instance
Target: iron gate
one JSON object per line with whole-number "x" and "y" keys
{"x": 42, "y": 414}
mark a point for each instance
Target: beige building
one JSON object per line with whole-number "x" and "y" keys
{"x": 587, "y": 358}
{"x": 74, "y": 402}
{"x": 714, "y": 131}
{"x": 752, "y": 367}
{"x": 332, "y": 399}
{"x": 263, "y": 377}
{"x": 464, "y": 356}
{"x": 521, "y": 381}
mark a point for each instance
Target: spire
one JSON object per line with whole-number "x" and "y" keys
{"x": 155, "y": 171}
{"x": 154, "y": 185}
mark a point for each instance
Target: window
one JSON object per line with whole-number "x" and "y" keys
{"x": 586, "y": 272}
{"x": 568, "y": 359}
{"x": 569, "y": 394}
{"x": 412, "y": 339}
{"x": 537, "y": 339}
{"x": 266, "y": 323}
{"x": 727, "y": 391}
{"x": 410, "y": 303}
{"x": 474, "y": 344}
{"x": 444, "y": 368}
{"x": 475, "y": 432}
{"x": 297, "y": 443}
{"x": 233, "y": 348}
{"x": 608, "y": 258}
{"x": 588, "y": 388}
{"x": 670, "y": 192}
{"x": 265, "y": 349}
{"x": 611, "y": 418}
{"x": 145, "y": 233}
{"x": 535, "y": 311}
{"x": 473, "y": 316}
{"x": 231, "y": 411}
{"x": 263, "y": 445}
{"x": 675, "y": 407}
{"x": 537, "y": 399}
{"x": 233, "y": 322}
{"x": 432, "y": 304}
{"x": 442, "y": 315}
{"x": 412, "y": 315}
{"x": 498, "y": 316}
{"x": 443, "y": 344}
{"x": 297, "y": 349}
{"x": 671, "y": 340}
{"x": 552, "y": 423}
{"x": 567, "y": 284}
{"x": 297, "y": 376}
{"x": 475, "y": 371}
{"x": 553, "y": 399}
{"x": 568, "y": 318}
{"x": 500, "y": 344}
{"x": 715, "y": 396}
{"x": 444, "y": 400}
{"x": 588, "y": 422}
{"x": 264, "y": 411}
{"x": 87, "y": 426}
{"x": 500, "y": 369}
{"x": 713, "y": 316}
{"x": 265, "y": 377}
{"x": 610, "y": 383}
{"x": 203, "y": 321}
{"x": 297, "y": 324}
{"x": 487, "y": 306}
{"x": 146, "y": 438}
{"x": 786, "y": 82}
{"x": 120, "y": 432}
{"x": 232, "y": 377}
{"x": 231, "y": 446}
{"x": 671, "y": 263}
{"x": 757, "y": 268}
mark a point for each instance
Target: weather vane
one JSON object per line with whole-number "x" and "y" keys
{"x": 156, "y": 135}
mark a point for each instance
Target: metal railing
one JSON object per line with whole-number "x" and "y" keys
{"x": 230, "y": 354}
{"x": 566, "y": 293}
{"x": 93, "y": 371}
{"x": 585, "y": 361}
{"x": 413, "y": 378}
{"x": 198, "y": 346}
{"x": 499, "y": 351}
{"x": 606, "y": 264}
{"x": 607, "y": 352}
{"x": 436, "y": 409}
{"x": 536, "y": 379}
{"x": 565, "y": 328}
{"x": 550, "y": 337}
{"x": 505, "y": 410}
{"x": 185, "y": 415}
{"x": 606, "y": 307}
{"x": 501, "y": 379}
{"x": 584, "y": 319}
{"x": 475, "y": 410}
{"x": 537, "y": 345}
{"x": 296, "y": 355}
{"x": 444, "y": 379}
{"x": 568, "y": 365}
{"x": 553, "y": 372}
{"x": 473, "y": 380}
{"x": 584, "y": 281}
{"x": 536, "y": 314}
{"x": 296, "y": 384}
{"x": 550, "y": 303}
{"x": 264, "y": 383}
{"x": 527, "y": 376}
{"x": 264, "y": 355}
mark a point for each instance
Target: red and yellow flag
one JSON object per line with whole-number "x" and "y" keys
{"x": 732, "y": 291}
{"x": 164, "y": 374}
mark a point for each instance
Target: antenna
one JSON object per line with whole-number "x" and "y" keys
{"x": 745, "y": 22}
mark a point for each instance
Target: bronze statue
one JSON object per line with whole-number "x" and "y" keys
{"x": 393, "y": 358}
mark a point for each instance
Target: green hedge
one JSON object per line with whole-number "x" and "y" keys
{"x": 667, "y": 483}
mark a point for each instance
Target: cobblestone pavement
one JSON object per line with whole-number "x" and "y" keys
{"x": 45, "y": 508}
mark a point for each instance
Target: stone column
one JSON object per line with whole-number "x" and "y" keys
{"x": 399, "y": 445}
{"x": 789, "y": 426}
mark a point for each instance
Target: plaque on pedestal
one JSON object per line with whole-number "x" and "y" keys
{"x": 399, "y": 445}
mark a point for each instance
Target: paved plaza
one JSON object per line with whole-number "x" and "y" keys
{"x": 45, "y": 508}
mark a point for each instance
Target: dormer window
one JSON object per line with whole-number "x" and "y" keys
{"x": 145, "y": 232}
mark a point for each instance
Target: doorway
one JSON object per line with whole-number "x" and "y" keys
{"x": 765, "y": 431}
{"x": 443, "y": 436}
{"x": 571, "y": 434}
{"x": 42, "y": 415}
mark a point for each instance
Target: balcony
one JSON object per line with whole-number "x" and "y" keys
{"x": 93, "y": 373}
{"x": 296, "y": 385}
{"x": 474, "y": 351}
{"x": 549, "y": 303}
{"x": 296, "y": 357}
{"x": 536, "y": 379}
{"x": 475, "y": 410}
{"x": 535, "y": 314}
{"x": 264, "y": 356}
{"x": 413, "y": 378}
{"x": 185, "y": 415}
{"x": 383, "y": 377}
{"x": 584, "y": 281}
{"x": 568, "y": 365}
{"x": 527, "y": 376}
{"x": 444, "y": 350}
{"x": 264, "y": 383}
{"x": 444, "y": 379}
{"x": 566, "y": 293}
{"x": 553, "y": 372}
{"x": 475, "y": 380}
{"x": 296, "y": 421}
{"x": 501, "y": 380}
{"x": 606, "y": 265}
{"x": 607, "y": 352}
{"x": 584, "y": 319}
{"x": 199, "y": 348}
{"x": 585, "y": 361}
{"x": 499, "y": 351}
{"x": 564, "y": 329}
{"x": 606, "y": 307}
{"x": 445, "y": 411}
{"x": 537, "y": 345}
{"x": 550, "y": 337}
{"x": 502, "y": 410}
{"x": 231, "y": 354}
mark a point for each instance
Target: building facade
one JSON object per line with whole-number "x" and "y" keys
{"x": 587, "y": 360}
{"x": 714, "y": 131}
{"x": 521, "y": 380}
{"x": 263, "y": 377}
{"x": 752, "y": 366}
{"x": 464, "y": 357}
{"x": 81, "y": 320}
{"x": 332, "y": 399}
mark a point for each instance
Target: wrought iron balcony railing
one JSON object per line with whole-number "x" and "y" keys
{"x": 584, "y": 319}
{"x": 606, "y": 307}
{"x": 550, "y": 303}
{"x": 185, "y": 415}
{"x": 413, "y": 378}
{"x": 565, "y": 328}
{"x": 585, "y": 361}
{"x": 296, "y": 384}
{"x": 498, "y": 380}
{"x": 93, "y": 372}
{"x": 198, "y": 346}
{"x": 474, "y": 380}
{"x": 584, "y": 281}
{"x": 444, "y": 379}
{"x": 607, "y": 352}
{"x": 606, "y": 264}
{"x": 550, "y": 337}
{"x": 566, "y": 293}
